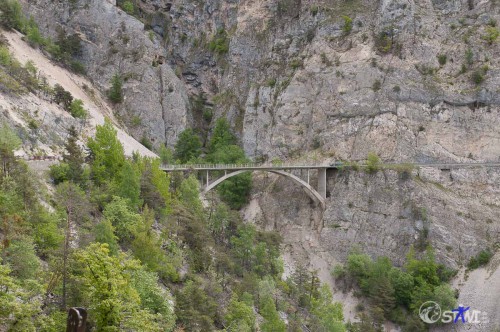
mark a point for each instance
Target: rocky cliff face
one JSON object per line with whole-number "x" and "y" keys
{"x": 156, "y": 103}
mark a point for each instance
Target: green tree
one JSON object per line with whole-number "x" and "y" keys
{"x": 129, "y": 185}
{"x": 9, "y": 142}
{"x": 146, "y": 246}
{"x": 11, "y": 15}
{"x": 166, "y": 155}
{"x": 107, "y": 153}
{"x": 272, "y": 321}
{"x": 105, "y": 233}
{"x": 154, "y": 298}
{"x": 239, "y": 316}
{"x": 61, "y": 96}
{"x": 74, "y": 158}
{"x": 113, "y": 302}
{"x": 403, "y": 285}
{"x": 19, "y": 308}
{"x": 328, "y": 316}
{"x": 188, "y": 146}
{"x": 77, "y": 110}
{"x": 75, "y": 206}
{"x": 221, "y": 136}
{"x": 21, "y": 256}
{"x": 189, "y": 194}
{"x": 115, "y": 93}
{"x": 194, "y": 308}
{"x": 121, "y": 217}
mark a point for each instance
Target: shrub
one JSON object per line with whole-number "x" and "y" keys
{"x": 77, "y": 67}
{"x": 376, "y": 85}
{"x": 59, "y": 173}
{"x": 11, "y": 16}
{"x": 271, "y": 82}
{"x": 347, "y": 27}
{"x": 491, "y": 35}
{"x": 482, "y": 258}
{"x": 442, "y": 58}
{"x": 372, "y": 163}
{"x": 208, "y": 115}
{"x": 61, "y": 96}
{"x": 76, "y": 109}
{"x": 478, "y": 75}
{"x": 115, "y": 92}
{"x": 296, "y": 63}
{"x": 128, "y": 7}
{"x": 146, "y": 142}
{"x": 220, "y": 42}
{"x": 314, "y": 10}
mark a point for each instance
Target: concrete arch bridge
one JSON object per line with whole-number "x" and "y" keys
{"x": 317, "y": 193}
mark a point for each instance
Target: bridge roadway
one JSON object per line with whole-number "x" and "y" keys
{"x": 319, "y": 193}
{"x": 270, "y": 167}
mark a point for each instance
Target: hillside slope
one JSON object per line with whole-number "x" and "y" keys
{"x": 48, "y": 113}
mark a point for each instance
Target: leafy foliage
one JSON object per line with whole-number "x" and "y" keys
{"x": 396, "y": 293}
{"x": 106, "y": 152}
{"x": 188, "y": 146}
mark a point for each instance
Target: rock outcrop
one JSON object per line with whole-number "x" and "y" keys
{"x": 156, "y": 104}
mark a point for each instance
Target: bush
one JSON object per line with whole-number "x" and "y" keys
{"x": 347, "y": 27}
{"x": 61, "y": 96}
{"x": 220, "y": 42}
{"x": 442, "y": 58}
{"x": 482, "y": 258}
{"x": 376, "y": 85}
{"x": 76, "y": 109}
{"x": 146, "y": 142}
{"x": 372, "y": 163}
{"x": 11, "y": 16}
{"x": 491, "y": 35}
{"x": 115, "y": 92}
{"x": 296, "y": 63}
{"x": 314, "y": 10}
{"x": 479, "y": 74}
{"x": 128, "y": 7}
{"x": 59, "y": 172}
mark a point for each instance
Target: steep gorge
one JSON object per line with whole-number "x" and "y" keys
{"x": 413, "y": 81}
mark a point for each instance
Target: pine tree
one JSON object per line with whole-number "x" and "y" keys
{"x": 188, "y": 146}
{"x": 272, "y": 320}
{"x": 9, "y": 142}
{"x": 129, "y": 185}
{"x": 74, "y": 157}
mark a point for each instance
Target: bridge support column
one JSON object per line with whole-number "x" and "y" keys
{"x": 322, "y": 182}
{"x": 207, "y": 181}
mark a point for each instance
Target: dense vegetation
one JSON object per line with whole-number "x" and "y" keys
{"x": 139, "y": 250}
{"x": 223, "y": 149}
{"x": 396, "y": 294}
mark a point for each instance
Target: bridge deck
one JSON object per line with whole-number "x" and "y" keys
{"x": 267, "y": 167}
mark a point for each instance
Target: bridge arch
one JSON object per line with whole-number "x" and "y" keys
{"x": 309, "y": 190}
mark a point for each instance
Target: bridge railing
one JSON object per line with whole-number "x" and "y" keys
{"x": 226, "y": 166}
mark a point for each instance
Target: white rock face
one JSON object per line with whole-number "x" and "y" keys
{"x": 114, "y": 42}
